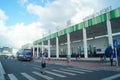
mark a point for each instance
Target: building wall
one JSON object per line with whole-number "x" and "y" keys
{"x": 6, "y": 51}
{"x": 95, "y": 46}
{"x": 100, "y": 44}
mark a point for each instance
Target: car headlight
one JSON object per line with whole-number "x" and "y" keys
{"x": 21, "y": 55}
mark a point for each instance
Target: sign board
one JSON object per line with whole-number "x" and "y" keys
{"x": 115, "y": 43}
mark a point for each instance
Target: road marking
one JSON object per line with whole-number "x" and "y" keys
{"x": 35, "y": 65}
{"x": 12, "y": 77}
{"x": 56, "y": 74}
{"x": 87, "y": 68}
{"x": 73, "y": 71}
{"x": 112, "y": 77}
{"x": 43, "y": 76}
{"x": 63, "y": 72}
{"x": 2, "y": 69}
{"x": 2, "y": 72}
{"x": 28, "y": 76}
{"x": 36, "y": 68}
{"x": 80, "y": 69}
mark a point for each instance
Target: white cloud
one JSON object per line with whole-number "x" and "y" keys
{"x": 58, "y": 12}
{"x": 3, "y": 17}
{"x": 50, "y": 16}
{"x": 22, "y": 2}
{"x": 19, "y": 34}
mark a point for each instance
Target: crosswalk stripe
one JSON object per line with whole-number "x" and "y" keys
{"x": 87, "y": 68}
{"x": 35, "y": 65}
{"x": 36, "y": 68}
{"x": 12, "y": 77}
{"x": 56, "y": 74}
{"x": 80, "y": 69}
{"x": 73, "y": 71}
{"x": 112, "y": 77}
{"x": 43, "y": 76}
{"x": 28, "y": 76}
{"x": 63, "y": 72}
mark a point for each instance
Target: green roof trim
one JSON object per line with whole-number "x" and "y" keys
{"x": 115, "y": 13}
{"x": 35, "y": 42}
{"x": 76, "y": 27}
{"x": 48, "y": 37}
{"x": 96, "y": 20}
{"x": 70, "y": 29}
{"x": 89, "y": 22}
{"x": 54, "y": 35}
{"x": 81, "y": 25}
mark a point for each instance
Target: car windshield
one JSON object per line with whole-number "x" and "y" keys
{"x": 27, "y": 50}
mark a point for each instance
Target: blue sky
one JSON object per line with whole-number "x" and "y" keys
{"x": 24, "y": 21}
{"x": 16, "y": 11}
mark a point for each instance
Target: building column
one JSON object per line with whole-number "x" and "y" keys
{"x": 33, "y": 50}
{"x": 37, "y": 50}
{"x": 57, "y": 48}
{"x": 109, "y": 30}
{"x": 85, "y": 41}
{"x": 68, "y": 47}
{"x": 49, "y": 48}
{"x": 42, "y": 47}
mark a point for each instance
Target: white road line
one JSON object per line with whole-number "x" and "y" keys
{"x": 43, "y": 76}
{"x": 80, "y": 69}
{"x": 63, "y": 72}
{"x": 2, "y": 69}
{"x": 2, "y": 72}
{"x": 112, "y": 77}
{"x": 73, "y": 71}
{"x": 12, "y": 77}
{"x": 36, "y": 68}
{"x": 87, "y": 68}
{"x": 56, "y": 74}
{"x": 28, "y": 76}
{"x": 35, "y": 65}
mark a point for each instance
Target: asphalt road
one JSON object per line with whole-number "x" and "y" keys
{"x": 17, "y": 70}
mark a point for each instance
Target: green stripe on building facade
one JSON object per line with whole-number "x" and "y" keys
{"x": 115, "y": 13}
{"x": 96, "y": 20}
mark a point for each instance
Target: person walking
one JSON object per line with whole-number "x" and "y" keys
{"x": 43, "y": 64}
{"x": 109, "y": 53}
{"x": 111, "y": 60}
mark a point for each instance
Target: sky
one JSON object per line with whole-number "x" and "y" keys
{"x": 24, "y": 21}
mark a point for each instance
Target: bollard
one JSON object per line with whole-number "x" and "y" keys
{"x": 49, "y": 59}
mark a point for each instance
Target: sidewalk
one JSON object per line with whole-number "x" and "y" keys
{"x": 2, "y": 72}
{"x": 90, "y": 63}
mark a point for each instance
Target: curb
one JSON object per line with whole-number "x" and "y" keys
{"x": 2, "y": 72}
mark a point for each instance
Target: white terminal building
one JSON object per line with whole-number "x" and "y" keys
{"x": 88, "y": 38}
{"x": 6, "y": 51}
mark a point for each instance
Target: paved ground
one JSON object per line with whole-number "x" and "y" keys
{"x": 1, "y": 72}
{"x": 90, "y": 64}
{"x": 96, "y": 63}
{"x": 55, "y": 70}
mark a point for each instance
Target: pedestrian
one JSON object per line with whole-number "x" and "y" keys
{"x": 111, "y": 60}
{"x": 76, "y": 55}
{"x": 109, "y": 53}
{"x": 104, "y": 58}
{"x": 43, "y": 64}
{"x": 101, "y": 58}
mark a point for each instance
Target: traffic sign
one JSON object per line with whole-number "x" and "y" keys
{"x": 115, "y": 43}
